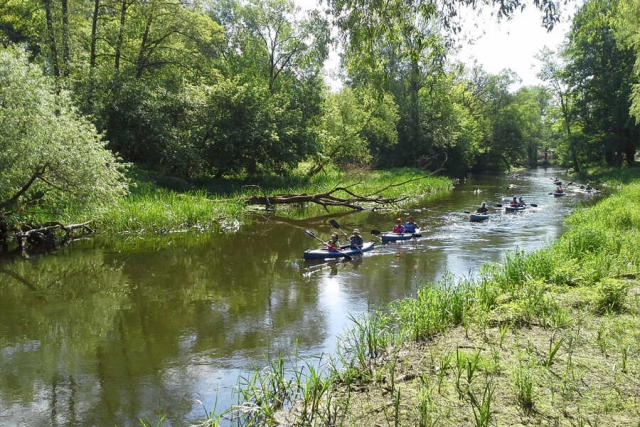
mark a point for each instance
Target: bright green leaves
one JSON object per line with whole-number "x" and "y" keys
{"x": 50, "y": 157}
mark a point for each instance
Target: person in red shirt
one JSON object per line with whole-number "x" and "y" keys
{"x": 398, "y": 228}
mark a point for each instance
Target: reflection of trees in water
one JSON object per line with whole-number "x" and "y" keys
{"x": 104, "y": 336}
{"x": 55, "y": 313}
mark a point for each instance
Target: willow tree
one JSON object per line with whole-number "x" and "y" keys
{"x": 52, "y": 160}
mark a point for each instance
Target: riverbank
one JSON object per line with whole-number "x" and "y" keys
{"x": 216, "y": 206}
{"x": 548, "y": 338}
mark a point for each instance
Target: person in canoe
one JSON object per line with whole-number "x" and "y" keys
{"x": 521, "y": 202}
{"x": 483, "y": 209}
{"x": 398, "y": 228}
{"x": 410, "y": 226}
{"x": 356, "y": 240}
{"x": 333, "y": 244}
{"x": 514, "y": 202}
{"x": 559, "y": 189}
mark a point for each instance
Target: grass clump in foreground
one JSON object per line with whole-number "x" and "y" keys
{"x": 550, "y": 338}
{"x": 153, "y": 209}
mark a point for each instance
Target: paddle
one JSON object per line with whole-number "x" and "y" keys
{"x": 335, "y": 225}
{"x": 310, "y": 234}
{"x": 376, "y": 232}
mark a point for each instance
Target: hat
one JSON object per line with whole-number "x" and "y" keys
{"x": 356, "y": 231}
{"x": 399, "y": 220}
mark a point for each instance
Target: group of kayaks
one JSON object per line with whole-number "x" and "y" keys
{"x": 479, "y": 217}
{"x": 346, "y": 251}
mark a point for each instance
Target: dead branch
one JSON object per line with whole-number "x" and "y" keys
{"x": 338, "y": 196}
{"x": 44, "y": 237}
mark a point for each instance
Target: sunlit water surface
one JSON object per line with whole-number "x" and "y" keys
{"x": 106, "y": 334}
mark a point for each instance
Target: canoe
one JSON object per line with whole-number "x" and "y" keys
{"x": 559, "y": 194}
{"x": 393, "y": 237}
{"x": 476, "y": 217}
{"x": 325, "y": 254}
{"x": 514, "y": 208}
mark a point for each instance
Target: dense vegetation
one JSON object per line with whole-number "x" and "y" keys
{"x": 229, "y": 89}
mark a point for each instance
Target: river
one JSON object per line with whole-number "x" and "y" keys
{"x": 107, "y": 333}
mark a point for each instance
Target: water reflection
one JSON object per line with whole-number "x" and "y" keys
{"x": 105, "y": 334}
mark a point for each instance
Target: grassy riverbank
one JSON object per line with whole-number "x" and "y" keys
{"x": 218, "y": 205}
{"x": 549, "y": 338}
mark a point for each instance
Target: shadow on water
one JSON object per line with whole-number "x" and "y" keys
{"x": 108, "y": 334}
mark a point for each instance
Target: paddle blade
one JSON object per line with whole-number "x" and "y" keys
{"x": 498, "y": 205}
{"x": 376, "y": 232}
{"x": 533, "y": 205}
{"x": 334, "y": 224}
{"x": 310, "y": 234}
{"x": 467, "y": 212}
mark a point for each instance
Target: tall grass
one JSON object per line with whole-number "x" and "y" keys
{"x": 154, "y": 209}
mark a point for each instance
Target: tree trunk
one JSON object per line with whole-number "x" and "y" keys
{"x": 120, "y": 38}
{"x": 66, "y": 59}
{"x": 51, "y": 38}
{"x": 92, "y": 53}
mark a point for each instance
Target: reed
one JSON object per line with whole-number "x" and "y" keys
{"x": 482, "y": 413}
{"x": 522, "y": 379}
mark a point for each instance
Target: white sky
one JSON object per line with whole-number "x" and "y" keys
{"x": 509, "y": 44}
{"x": 512, "y": 44}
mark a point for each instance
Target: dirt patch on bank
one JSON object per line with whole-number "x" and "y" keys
{"x": 584, "y": 373}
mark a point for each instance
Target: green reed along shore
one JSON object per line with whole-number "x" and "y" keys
{"x": 548, "y": 338}
{"x": 221, "y": 205}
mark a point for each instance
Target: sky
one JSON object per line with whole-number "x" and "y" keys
{"x": 512, "y": 44}
{"x": 509, "y": 44}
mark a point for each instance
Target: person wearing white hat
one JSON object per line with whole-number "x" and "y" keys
{"x": 356, "y": 240}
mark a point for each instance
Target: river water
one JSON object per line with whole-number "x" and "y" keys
{"x": 107, "y": 333}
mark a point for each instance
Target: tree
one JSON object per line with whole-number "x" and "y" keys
{"x": 628, "y": 35}
{"x": 601, "y": 76}
{"x": 51, "y": 158}
{"x": 355, "y": 126}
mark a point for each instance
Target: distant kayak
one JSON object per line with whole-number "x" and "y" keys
{"x": 512, "y": 209}
{"x": 310, "y": 254}
{"x": 476, "y": 217}
{"x": 393, "y": 237}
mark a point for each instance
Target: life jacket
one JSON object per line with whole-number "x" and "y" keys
{"x": 398, "y": 229}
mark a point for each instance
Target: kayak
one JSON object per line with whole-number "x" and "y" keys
{"x": 324, "y": 253}
{"x": 476, "y": 217}
{"x": 559, "y": 194}
{"x": 393, "y": 237}
{"x": 514, "y": 208}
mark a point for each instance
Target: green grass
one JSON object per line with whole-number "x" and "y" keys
{"x": 151, "y": 208}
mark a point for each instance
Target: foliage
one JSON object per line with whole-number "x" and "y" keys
{"x": 600, "y": 73}
{"x": 51, "y": 158}
{"x": 354, "y": 127}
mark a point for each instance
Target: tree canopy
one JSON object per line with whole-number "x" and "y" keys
{"x": 51, "y": 157}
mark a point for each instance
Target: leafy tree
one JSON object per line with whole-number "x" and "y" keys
{"x": 365, "y": 25}
{"x": 627, "y": 27}
{"x": 356, "y": 126}
{"x": 51, "y": 158}
{"x": 601, "y": 75}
